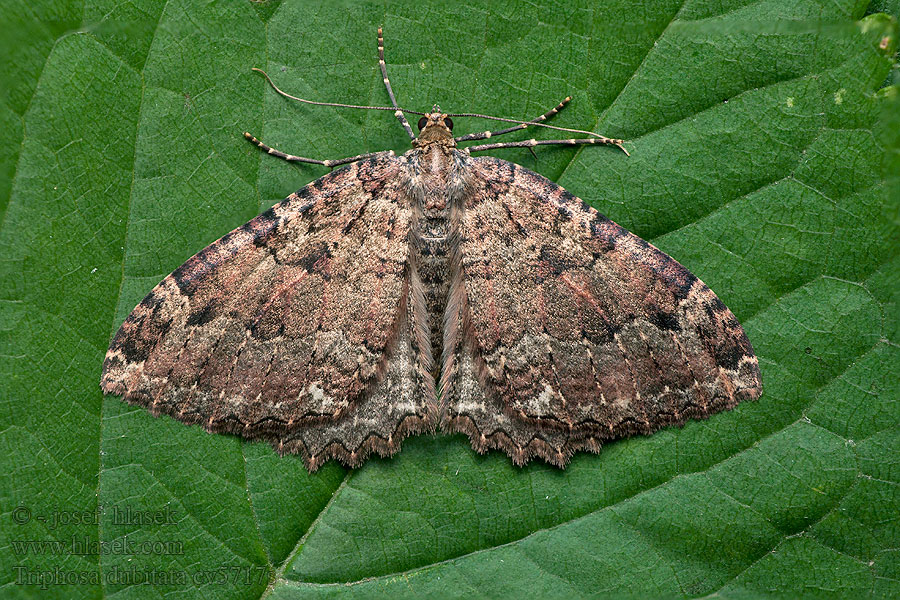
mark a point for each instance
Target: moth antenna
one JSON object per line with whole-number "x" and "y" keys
{"x": 286, "y": 95}
{"x": 527, "y": 123}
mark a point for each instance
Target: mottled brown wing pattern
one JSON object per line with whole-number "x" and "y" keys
{"x": 290, "y": 326}
{"x": 575, "y": 329}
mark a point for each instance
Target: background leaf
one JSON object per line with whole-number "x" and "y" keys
{"x": 765, "y": 140}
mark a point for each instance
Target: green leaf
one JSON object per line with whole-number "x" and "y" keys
{"x": 765, "y": 157}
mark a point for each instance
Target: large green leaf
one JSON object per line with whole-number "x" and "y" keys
{"x": 765, "y": 157}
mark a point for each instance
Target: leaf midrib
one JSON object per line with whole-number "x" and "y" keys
{"x": 610, "y": 507}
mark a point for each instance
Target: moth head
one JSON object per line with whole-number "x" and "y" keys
{"x": 435, "y": 127}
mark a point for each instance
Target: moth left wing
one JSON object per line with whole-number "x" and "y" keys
{"x": 292, "y": 326}
{"x": 565, "y": 330}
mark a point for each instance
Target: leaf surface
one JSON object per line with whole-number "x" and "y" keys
{"x": 765, "y": 143}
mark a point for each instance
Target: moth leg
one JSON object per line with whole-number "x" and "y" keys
{"x": 603, "y": 141}
{"x": 488, "y": 134}
{"x": 328, "y": 163}
{"x": 398, "y": 113}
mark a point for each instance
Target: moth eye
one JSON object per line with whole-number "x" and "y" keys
{"x": 422, "y": 122}
{"x": 449, "y": 123}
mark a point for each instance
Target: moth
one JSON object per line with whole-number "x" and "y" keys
{"x": 401, "y": 294}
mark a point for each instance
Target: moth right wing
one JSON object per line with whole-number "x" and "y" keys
{"x": 564, "y": 330}
{"x": 292, "y": 326}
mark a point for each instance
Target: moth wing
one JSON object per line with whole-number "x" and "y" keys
{"x": 566, "y": 330}
{"x": 288, "y": 325}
